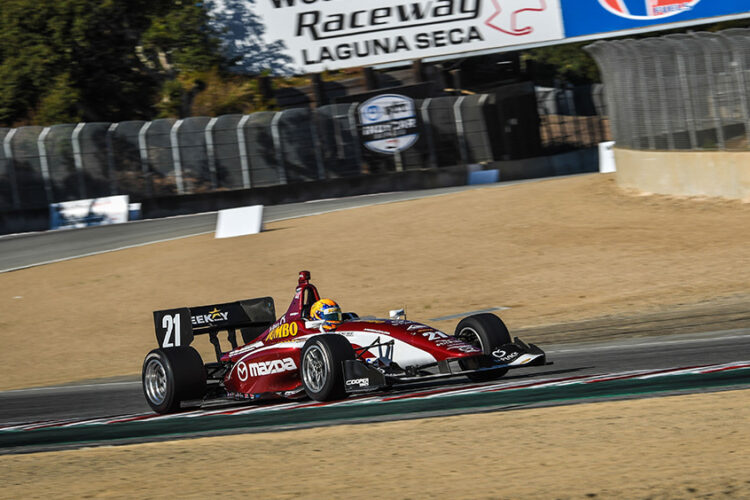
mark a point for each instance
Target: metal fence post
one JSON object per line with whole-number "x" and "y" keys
{"x": 78, "y": 158}
{"x": 606, "y": 54}
{"x": 571, "y": 102}
{"x": 486, "y": 143}
{"x": 541, "y": 97}
{"x": 713, "y": 95}
{"x": 685, "y": 88}
{"x": 354, "y": 131}
{"x": 462, "y": 148}
{"x": 427, "y": 125}
{"x": 174, "y": 144}
{"x": 210, "y": 151}
{"x": 738, "y": 61}
{"x": 111, "y": 169}
{"x": 398, "y": 161}
{"x": 601, "y": 111}
{"x": 245, "y": 165}
{"x": 339, "y": 137}
{"x": 143, "y": 150}
{"x": 8, "y": 150}
{"x": 561, "y": 102}
{"x": 316, "y": 145}
{"x": 278, "y": 146}
{"x": 662, "y": 95}
{"x": 642, "y": 100}
{"x": 632, "y": 107}
{"x": 44, "y": 164}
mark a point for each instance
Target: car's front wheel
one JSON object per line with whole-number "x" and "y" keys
{"x": 487, "y": 332}
{"x": 172, "y": 375}
{"x": 322, "y": 366}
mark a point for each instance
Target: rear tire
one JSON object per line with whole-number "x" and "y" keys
{"x": 487, "y": 332}
{"x": 321, "y": 366}
{"x": 173, "y": 375}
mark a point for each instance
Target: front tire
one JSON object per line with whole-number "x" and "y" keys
{"x": 487, "y": 332}
{"x": 170, "y": 376}
{"x": 322, "y": 367}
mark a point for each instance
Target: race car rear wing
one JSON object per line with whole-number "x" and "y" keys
{"x": 177, "y": 327}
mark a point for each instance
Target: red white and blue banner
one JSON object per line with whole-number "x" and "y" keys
{"x": 593, "y": 17}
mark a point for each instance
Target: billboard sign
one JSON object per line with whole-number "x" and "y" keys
{"x": 592, "y": 17}
{"x": 388, "y": 123}
{"x": 331, "y": 34}
{"x": 310, "y": 36}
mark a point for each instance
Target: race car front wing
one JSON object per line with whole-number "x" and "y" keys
{"x": 362, "y": 376}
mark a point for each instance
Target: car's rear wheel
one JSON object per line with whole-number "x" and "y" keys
{"x": 322, "y": 366}
{"x": 487, "y": 332}
{"x": 171, "y": 376}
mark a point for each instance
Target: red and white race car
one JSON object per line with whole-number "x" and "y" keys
{"x": 293, "y": 356}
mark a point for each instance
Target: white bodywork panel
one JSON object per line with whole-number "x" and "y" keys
{"x": 403, "y": 354}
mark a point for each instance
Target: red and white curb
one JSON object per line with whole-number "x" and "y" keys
{"x": 381, "y": 398}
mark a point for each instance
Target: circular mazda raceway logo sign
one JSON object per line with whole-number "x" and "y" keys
{"x": 388, "y": 123}
{"x": 647, "y": 9}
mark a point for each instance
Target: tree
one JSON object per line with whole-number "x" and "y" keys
{"x": 564, "y": 63}
{"x": 244, "y": 39}
{"x": 97, "y": 60}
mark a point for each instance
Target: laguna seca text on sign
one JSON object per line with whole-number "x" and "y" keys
{"x": 331, "y": 34}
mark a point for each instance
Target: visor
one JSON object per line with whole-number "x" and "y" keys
{"x": 331, "y": 316}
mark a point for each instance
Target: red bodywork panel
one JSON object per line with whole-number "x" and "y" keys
{"x": 262, "y": 370}
{"x": 271, "y": 363}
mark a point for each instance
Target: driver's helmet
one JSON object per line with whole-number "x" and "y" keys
{"x": 328, "y": 311}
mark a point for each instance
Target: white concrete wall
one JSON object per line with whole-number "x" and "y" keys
{"x": 694, "y": 173}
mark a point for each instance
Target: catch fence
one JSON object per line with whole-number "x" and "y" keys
{"x": 146, "y": 159}
{"x": 679, "y": 91}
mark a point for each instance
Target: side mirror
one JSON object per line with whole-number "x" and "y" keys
{"x": 397, "y": 314}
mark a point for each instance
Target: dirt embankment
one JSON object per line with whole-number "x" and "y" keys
{"x": 553, "y": 251}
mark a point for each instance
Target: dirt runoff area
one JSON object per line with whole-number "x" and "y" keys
{"x": 553, "y": 251}
{"x": 694, "y": 446}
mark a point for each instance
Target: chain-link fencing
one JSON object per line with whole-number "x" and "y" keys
{"x": 680, "y": 91}
{"x": 146, "y": 159}
{"x": 572, "y": 117}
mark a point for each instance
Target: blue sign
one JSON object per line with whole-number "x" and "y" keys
{"x": 588, "y": 17}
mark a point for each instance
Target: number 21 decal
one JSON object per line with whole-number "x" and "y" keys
{"x": 171, "y": 323}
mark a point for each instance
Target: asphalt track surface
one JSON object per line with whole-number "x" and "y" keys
{"x": 125, "y": 398}
{"x": 24, "y": 250}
